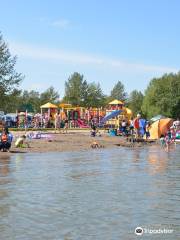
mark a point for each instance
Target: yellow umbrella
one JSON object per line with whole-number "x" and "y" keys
{"x": 116, "y": 102}
{"x": 48, "y": 105}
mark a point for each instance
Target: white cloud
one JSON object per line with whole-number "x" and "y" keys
{"x": 58, "y": 55}
{"x": 61, "y": 23}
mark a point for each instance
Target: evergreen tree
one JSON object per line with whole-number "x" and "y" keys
{"x": 75, "y": 89}
{"x": 49, "y": 95}
{"x": 118, "y": 92}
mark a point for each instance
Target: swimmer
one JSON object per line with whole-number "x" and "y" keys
{"x": 96, "y": 145}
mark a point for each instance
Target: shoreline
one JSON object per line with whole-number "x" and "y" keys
{"x": 70, "y": 142}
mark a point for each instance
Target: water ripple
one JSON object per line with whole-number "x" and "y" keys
{"x": 102, "y": 194}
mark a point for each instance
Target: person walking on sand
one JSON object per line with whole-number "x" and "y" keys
{"x": 57, "y": 121}
{"x": 66, "y": 125}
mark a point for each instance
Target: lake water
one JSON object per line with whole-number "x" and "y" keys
{"x": 97, "y": 194}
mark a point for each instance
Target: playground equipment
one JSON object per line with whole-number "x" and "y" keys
{"x": 111, "y": 115}
{"x": 50, "y": 107}
{"x": 76, "y": 115}
{"x": 24, "y": 119}
{"x": 96, "y": 114}
{"x": 51, "y": 110}
{"x": 115, "y": 113}
{"x": 80, "y": 116}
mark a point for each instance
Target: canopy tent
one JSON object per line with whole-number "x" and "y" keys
{"x": 116, "y": 102}
{"x": 48, "y": 105}
{"x": 160, "y": 127}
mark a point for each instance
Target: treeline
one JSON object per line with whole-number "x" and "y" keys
{"x": 162, "y": 95}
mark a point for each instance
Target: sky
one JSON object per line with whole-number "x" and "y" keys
{"x": 131, "y": 41}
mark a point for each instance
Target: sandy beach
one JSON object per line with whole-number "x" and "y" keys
{"x": 65, "y": 142}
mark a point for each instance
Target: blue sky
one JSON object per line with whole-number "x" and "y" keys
{"x": 106, "y": 41}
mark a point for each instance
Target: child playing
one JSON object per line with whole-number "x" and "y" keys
{"x": 20, "y": 142}
{"x": 162, "y": 141}
{"x": 96, "y": 145}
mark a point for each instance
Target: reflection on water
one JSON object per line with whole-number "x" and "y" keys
{"x": 100, "y": 194}
{"x": 4, "y": 180}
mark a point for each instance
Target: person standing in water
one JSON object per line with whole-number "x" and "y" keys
{"x": 168, "y": 140}
{"x": 147, "y": 130}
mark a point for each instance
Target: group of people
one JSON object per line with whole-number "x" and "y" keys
{"x": 6, "y": 140}
{"x": 135, "y": 127}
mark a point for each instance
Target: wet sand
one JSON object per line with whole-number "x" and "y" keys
{"x": 66, "y": 142}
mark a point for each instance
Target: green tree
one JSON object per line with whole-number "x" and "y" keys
{"x": 30, "y": 100}
{"x": 9, "y": 78}
{"x": 76, "y": 89}
{"x": 135, "y": 101}
{"x": 95, "y": 96}
{"x": 79, "y": 92}
{"x": 163, "y": 96}
{"x": 12, "y": 101}
{"x": 175, "y": 96}
{"x": 50, "y": 95}
{"x": 118, "y": 91}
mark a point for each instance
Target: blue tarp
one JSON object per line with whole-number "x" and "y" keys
{"x": 111, "y": 115}
{"x": 142, "y": 126}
